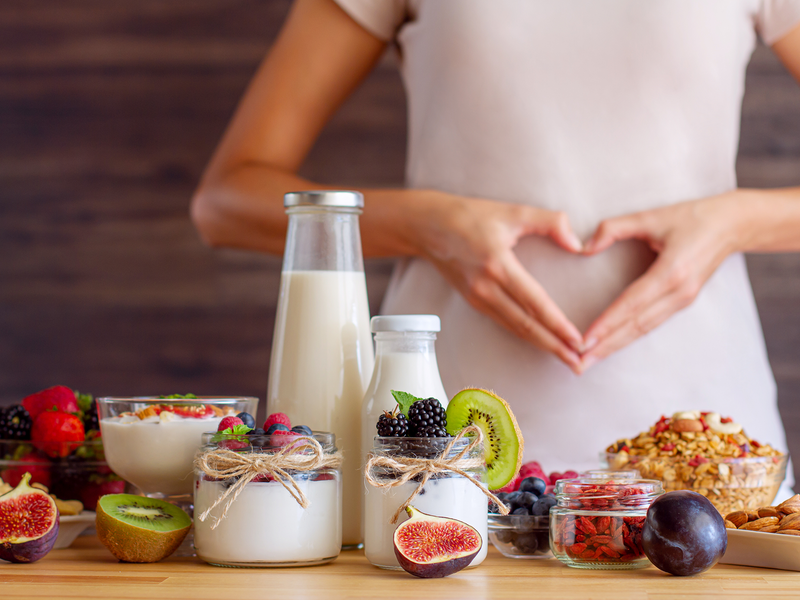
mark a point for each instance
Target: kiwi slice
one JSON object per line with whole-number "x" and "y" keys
{"x": 138, "y": 529}
{"x": 503, "y": 440}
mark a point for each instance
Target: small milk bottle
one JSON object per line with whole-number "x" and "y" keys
{"x": 322, "y": 353}
{"x": 405, "y": 360}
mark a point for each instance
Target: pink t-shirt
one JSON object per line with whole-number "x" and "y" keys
{"x": 597, "y": 109}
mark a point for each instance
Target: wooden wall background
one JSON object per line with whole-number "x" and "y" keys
{"x": 109, "y": 111}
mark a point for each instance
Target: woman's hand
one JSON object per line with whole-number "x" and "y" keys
{"x": 691, "y": 240}
{"x": 471, "y": 242}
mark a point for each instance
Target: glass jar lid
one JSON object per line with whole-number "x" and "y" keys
{"x": 403, "y": 323}
{"x": 607, "y": 494}
{"x": 332, "y": 198}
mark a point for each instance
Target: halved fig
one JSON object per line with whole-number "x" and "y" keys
{"x": 28, "y": 523}
{"x": 428, "y": 546}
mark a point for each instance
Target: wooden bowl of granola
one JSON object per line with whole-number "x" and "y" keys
{"x": 705, "y": 453}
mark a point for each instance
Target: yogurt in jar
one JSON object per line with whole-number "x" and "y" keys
{"x": 454, "y": 497}
{"x": 265, "y": 526}
{"x": 155, "y": 454}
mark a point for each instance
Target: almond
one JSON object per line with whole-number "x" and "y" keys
{"x": 752, "y": 514}
{"x": 789, "y": 531}
{"x": 760, "y": 523}
{"x": 770, "y": 529}
{"x": 791, "y": 521}
{"x": 729, "y": 525}
{"x": 768, "y": 511}
{"x": 738, "y": 518}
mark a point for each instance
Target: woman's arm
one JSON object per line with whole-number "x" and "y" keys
{"x": 320, "y": 56}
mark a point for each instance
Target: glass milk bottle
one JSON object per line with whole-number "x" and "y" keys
{"x": 322, "y": 354}
{"x": 405, "y": 360}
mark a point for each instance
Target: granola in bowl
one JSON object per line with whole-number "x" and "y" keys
{"x": 706, "y": 453}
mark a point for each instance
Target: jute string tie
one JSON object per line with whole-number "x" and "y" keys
{"x": 408, "y": 468}
{"x": 302, "y": 454}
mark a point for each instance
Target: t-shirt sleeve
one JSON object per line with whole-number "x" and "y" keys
{"x": 380, "y": 17}
{"x": 776, "y": 18}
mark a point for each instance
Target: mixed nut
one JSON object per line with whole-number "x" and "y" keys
{"x": 701, "y": 451}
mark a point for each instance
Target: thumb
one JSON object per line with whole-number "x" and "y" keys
{"x": 615, "y": 230}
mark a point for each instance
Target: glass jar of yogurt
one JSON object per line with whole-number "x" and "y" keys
{"x": 598, "y": 522}
{"x": 446, "y": 494}
{"x": 265, "y": 526}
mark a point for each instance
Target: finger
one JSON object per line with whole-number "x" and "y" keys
{"x": 532, "y": 297}
{"x": 614, "y": 230}
{"x": 554, "y": 224}
{"x": 492, "y": 300}
{"x": 632, "y": 330}
{"x": 657, "y": 282}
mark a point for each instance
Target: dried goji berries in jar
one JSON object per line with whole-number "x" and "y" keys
{"x": 597, "y": 523}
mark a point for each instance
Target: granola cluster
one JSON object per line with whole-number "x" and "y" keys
{"x": 706, "y": 453}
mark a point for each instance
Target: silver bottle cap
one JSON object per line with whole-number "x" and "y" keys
{"x": 335, "y": 198}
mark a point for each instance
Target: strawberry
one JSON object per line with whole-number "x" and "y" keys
{"x": 197, "y": 411}
{"x": 54, "y": 433}
{"x": 59, "y": 397}
{"x": 93, "y": 490}
{"x": 37, "y": 466}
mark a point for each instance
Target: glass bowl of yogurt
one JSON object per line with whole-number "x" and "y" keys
{"x": 151, "y": 441}
{"x": 260, "y": 523}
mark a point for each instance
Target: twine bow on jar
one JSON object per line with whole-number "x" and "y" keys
{"x": 408, "y": 468}
{"x": 302, "y": 454}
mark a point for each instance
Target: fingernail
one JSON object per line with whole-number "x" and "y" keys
{"x": 590, "y": 343}
{"x": 575, "y": 242}
{"x": 588, "y": 362}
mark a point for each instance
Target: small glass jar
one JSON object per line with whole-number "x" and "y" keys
{"x": 445, "y": 494}
{"x": 609, "y": 474}
{"x": 265, "y": 526}
{"x": 597, "y": 523}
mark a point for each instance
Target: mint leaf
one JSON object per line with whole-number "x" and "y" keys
{"x": 404, "y": 400}
{"x": 84, "y": 401}
{"x": 178, "y": 397}
{"x": 239, "y": 430}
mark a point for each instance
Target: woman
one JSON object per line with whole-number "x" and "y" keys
{"x": 533, "y": 126}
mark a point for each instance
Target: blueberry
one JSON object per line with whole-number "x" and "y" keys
{"x": 276, "y": 427}
{"x": 513, "y": 497}
{"x": 257, "y": 431}
{"x": 543, "y": 505}
{"x": 303, "y": 430}
{"x": 533, "y": 485}
{"x": 247, "y": 419}
{"x": 527, "y": 543}
{"x": 527, "y": 499}
{"x": 520, "y": 511}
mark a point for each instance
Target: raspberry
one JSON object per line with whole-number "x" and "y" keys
{"x": 277, "y": 418}
{"x": 426, "y": 413}
{"x": 229, "y": 423}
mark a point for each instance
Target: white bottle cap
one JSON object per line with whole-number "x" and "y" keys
{"x": 405, "y": 323}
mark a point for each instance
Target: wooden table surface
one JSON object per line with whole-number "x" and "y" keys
{"x": 87, "y": 570}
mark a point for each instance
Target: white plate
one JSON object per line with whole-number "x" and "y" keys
{"x": 71, "y": 526}
{"x": 758, "y": 549}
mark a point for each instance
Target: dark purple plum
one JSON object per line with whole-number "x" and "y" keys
{"x": 683, "y": 533}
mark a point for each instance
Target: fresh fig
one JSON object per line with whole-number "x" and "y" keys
{"x": 28, "y": 523}
{"x": 428, "y": 546}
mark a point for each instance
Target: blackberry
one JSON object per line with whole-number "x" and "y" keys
{"x": 90, "y": 418}
{"x": 431, "y": 431}
{"x": 70, "y": 475}
{"x": 15, "y": 423}
{"x": 426, "y": 413}
{"x": 392, "y": 424}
